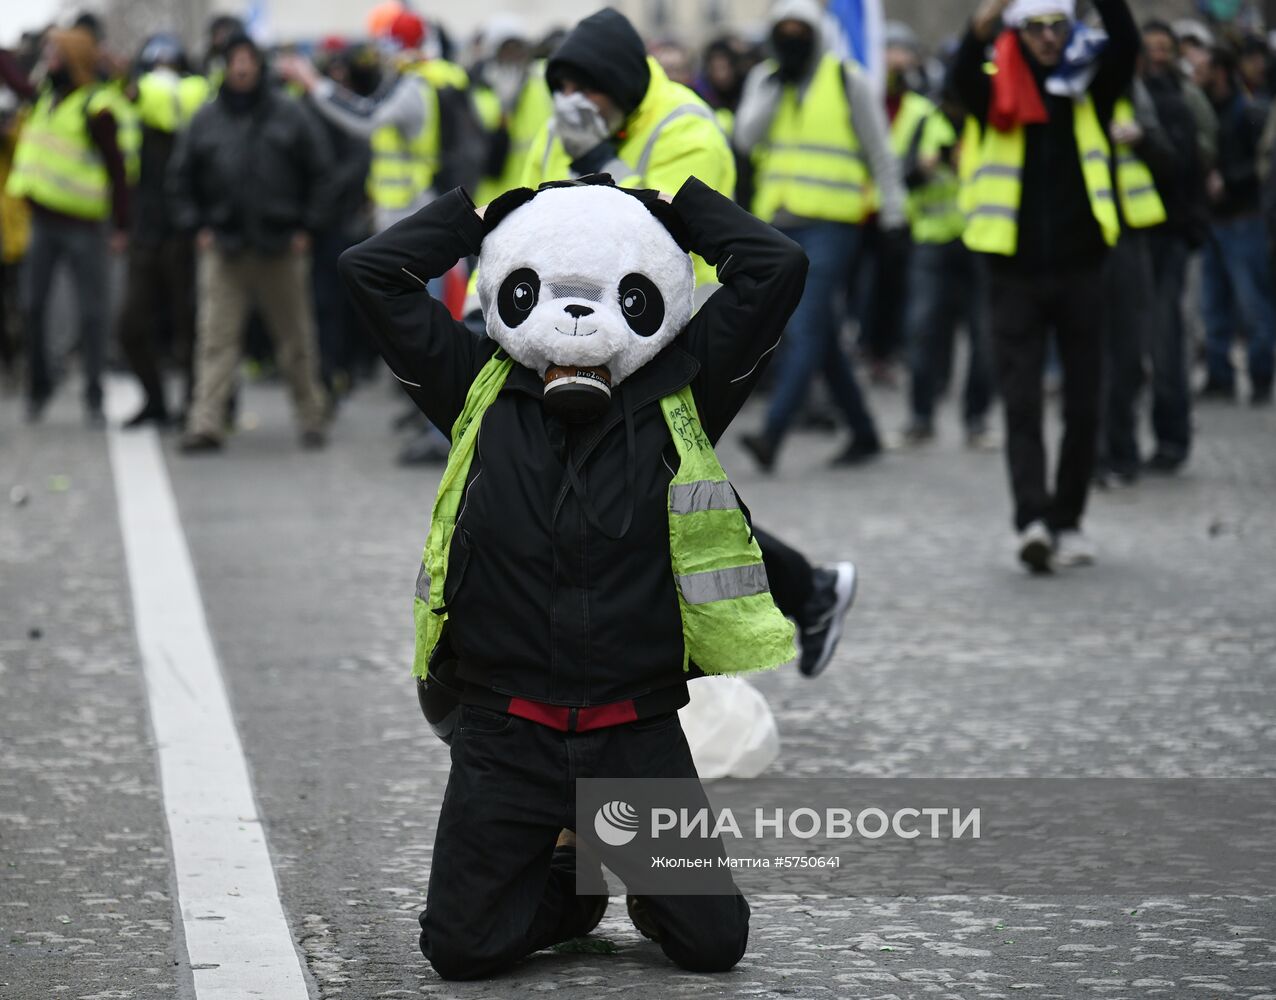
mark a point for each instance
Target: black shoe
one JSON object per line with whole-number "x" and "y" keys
{"x": 94, "y": 418}
{"x": 1261, "y": 395}
{"x": 859, "y": 451}
{"x": 919, "y": 432}
{"x": 424, "y": 449}
{"x": 35, "y": 408}
{"x": 1217, "y": 390}
{"x": 314, "y": 440}
{"x": 199, "y": 444}
{"x": 1163, "y": 463}
{"x": 763, "y": 448}
{"x": 832, "y": 594}
{"x": 641, "y": 918}
{"x": 148, "y": 414}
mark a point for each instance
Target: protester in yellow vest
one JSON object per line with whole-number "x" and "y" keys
{"x": 616, "y": 112}
{"x": 584, "y": 562}
{"x": 15, "y": 232}
{"x": 401, "y": 121}
{"x": 513, "y": 102}
{"x": 159, "y": 296}
{"x": 1137, "y": 142}
{"x": 818, "y": 135}
{"x": 1042, "y": 209}
{"x": 69, "y": 166}
{"x": 945, "y": 280}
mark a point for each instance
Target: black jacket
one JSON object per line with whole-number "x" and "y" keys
{"x": 1057, "y": 229}
{"x": 1181, "y": 183}
{"x": 1240, "y": 127}
{"x": 542, "y": 603}
{"x": 255, "y": 176}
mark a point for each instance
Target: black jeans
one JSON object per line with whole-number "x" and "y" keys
{"x": 498, "y": 889}
{"x": 1024, "y": 311}
{"x": 1167, "y": 346}
{"x": 1130, "y": 314}
{"x": 788, "y": 572}
{"x": 945, "y": 288}
{"x": 159, "y": 306}
{"x": 82, "y": 247}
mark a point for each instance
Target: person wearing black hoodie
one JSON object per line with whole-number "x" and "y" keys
{"x": 1046, "y": 256}
{"x": 252, "y": 179}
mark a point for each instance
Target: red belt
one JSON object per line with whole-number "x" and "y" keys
{"x": 577, "y": 720}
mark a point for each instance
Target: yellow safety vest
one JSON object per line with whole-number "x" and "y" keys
{"x": 1141, "y": 204}
{"x": 670, "y": 136}
{"x": 933, "y": 209}
{"x": 403, "y": 169}
{"x": 730, "y": 623}
{"x": 192, "y": 93}
{"x": 996, "y": 183}
{"x": 532, "y": 110}
{"x": 128, "y": 129}
{"x": 56, "y": 164}
{"x": 811, "y": 164}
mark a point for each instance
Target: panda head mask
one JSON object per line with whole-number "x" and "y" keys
{"x": 584, "y": 283}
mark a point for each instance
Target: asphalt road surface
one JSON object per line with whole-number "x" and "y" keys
{"x": 1160, "y": 661}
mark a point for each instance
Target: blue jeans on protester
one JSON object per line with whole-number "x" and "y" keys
{"x": 1167, "y": 347}
{"x": 813, "y": 342}
{"x": 945, "y": 288}
{"x": 1237, "y": 291}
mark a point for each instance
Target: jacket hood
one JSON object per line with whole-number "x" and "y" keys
{"x": 807, "y": 11}
{"x": 606, "y": 53}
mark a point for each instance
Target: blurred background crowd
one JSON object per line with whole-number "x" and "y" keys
{"x": 190, "y": 186}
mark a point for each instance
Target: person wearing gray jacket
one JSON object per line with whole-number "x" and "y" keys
{"x": 818, "y": 137}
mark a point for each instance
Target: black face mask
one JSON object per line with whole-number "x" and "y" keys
{"x": 60, "y": 78}
{"x": 793, "y": 53}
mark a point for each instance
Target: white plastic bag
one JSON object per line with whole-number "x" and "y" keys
{"x": 730, "y": 728}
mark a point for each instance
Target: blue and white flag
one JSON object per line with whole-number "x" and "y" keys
{"x": 854, "y": 29}
{"x": 257, "y": 22}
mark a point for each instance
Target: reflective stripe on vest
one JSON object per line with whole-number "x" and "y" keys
{"x": 996, "y": 183}
{"x": 1141, "y": 204}
{"x": 402, "y": 169}
{"x": 56, "y": 163}
{"x": 730, "y": 623}
{"x": 810, "y": 164}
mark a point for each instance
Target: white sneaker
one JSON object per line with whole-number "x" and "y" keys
{"x": 1072, "y": 548}
{"x": 1036, "y": 548}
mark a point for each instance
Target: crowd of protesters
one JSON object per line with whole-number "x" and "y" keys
{"x": 1041, "y": 184}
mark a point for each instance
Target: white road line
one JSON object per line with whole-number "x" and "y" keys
{"x": 236, "y": 935}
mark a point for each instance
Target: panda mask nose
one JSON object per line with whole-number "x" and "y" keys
{"x": 578, "y": 312}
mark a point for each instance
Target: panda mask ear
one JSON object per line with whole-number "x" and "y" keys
{"x": 584, "y": 274}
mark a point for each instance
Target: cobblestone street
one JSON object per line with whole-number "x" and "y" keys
{"x": 1160, "y": 661}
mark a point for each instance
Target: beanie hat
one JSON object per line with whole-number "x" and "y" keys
{"x": 1026, "y": 10}
{"x": 604, "y": 52}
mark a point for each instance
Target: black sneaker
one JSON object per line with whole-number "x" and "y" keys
{"x": 763, "y": 448}
{"x": 148, "y": 414}
{"x": 859, "y": 451}
{"x": 313, "y": 440}
{"x": 1217, "y": 390}
{"x": 919, "y": 432}
{"x": 426, "y": 448}
{"x": 199, "y": 444}
{"x": 1163, "y": 463}
{"x": 832, "y": 594}
{"x": 1261, "y": 395}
